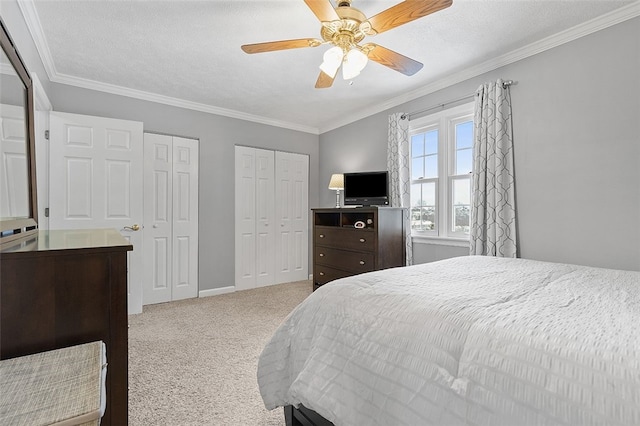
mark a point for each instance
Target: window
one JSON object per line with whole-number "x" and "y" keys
{"x": 441, "y": 163}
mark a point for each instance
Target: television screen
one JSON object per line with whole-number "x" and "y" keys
{"x": 366, "y": 188}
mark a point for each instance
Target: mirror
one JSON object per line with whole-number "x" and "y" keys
{"x": 18, "y": 202}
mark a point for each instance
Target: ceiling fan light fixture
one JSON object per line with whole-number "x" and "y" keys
{"x": 354, "y": 62}
{"x": 345, "y": 27}
{"x": 331, "y": 61}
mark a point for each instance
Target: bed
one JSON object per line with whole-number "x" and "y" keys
{"x": 471, "y": 341}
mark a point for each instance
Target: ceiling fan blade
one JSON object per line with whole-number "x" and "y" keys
{"x": 393, "y": 60}
{"x": 324, "y": 80}
{"x": 406, "y": 11}
{"x": 323, "y": 10}
{"x": 270, "y": 46}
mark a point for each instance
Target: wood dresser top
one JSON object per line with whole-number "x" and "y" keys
{"x": 55, "y": 240}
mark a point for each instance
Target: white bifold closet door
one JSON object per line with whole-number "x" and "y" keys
{"x": 271, "y": 210}
{"x": 171, "y": 218}
{"x": 292, "y": 217}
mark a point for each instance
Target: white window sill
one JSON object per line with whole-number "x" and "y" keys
{"x": 443, "y": 241}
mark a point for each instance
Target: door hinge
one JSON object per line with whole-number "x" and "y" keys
{"x": 46, "y": 212}
{"x": 46, "y": 134}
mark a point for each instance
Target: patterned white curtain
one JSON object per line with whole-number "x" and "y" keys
{"x": 493, "y": 210}
{"x": 399, "y": 173}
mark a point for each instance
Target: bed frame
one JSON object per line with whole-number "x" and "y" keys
{"x": 303, "y": 416}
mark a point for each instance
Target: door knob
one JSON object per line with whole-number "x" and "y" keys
{"x": 135, "y": 227}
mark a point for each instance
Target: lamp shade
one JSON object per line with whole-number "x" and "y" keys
{"x": 337, "y": 181}
{"x": 331, "y": 61}
{"x": 355, "y": 62}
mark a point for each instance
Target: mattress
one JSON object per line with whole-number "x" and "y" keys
{"x": 60, "y": 387}
{"x": 471, "y": 340}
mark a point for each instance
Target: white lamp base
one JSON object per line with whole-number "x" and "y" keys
{"x": 337, "y": 198}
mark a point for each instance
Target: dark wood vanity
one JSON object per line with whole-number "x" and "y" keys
{"x": 64, "y": 288}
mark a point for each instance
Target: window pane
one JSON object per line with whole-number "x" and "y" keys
{"x": 463, "y": 161}
{"x": 461, "y": 205}
{"x": 423, "y": 206}
{"x": 417, "y": 145}
{"x": 431, "y": 142}
{"x": 417, "y": 168}
{"x": 464, "y": 135}
{"x": 431, "y": 166}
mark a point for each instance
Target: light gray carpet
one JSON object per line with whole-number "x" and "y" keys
{"x": 194, "y": 362}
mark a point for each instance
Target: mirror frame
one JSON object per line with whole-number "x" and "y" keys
{"x": 18, "y": 228}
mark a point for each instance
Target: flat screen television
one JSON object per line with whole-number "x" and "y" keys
{"x": 366, "y": 189}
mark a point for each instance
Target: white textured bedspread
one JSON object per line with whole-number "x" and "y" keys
{"x": 470, "y": 340}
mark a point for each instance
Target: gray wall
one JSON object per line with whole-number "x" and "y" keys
{"x": 217, "y": 135}
{"x": 576, "y": 124}
{"x": 576, "y": 120}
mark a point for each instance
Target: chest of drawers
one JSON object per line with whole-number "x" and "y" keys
{"x": 352, "y": 241}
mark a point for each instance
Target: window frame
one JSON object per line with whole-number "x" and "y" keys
{"x": 445, "y": 122}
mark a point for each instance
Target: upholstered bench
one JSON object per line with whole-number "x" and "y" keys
{"x": 60, "y": 387}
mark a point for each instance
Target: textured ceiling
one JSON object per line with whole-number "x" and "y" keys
{"x": 190, "y": 50}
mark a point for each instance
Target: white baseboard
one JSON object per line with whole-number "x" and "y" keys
{"x": 216, "y": 291}
{"x": 311, "y": 277}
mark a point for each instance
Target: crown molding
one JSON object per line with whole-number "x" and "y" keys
{"x": 176, "y": 102}
{"x": 40, "y": 95}
{"x": 614, "y": 17}
{"x": 30, "y": 14}
{"x": 28, "y": 9}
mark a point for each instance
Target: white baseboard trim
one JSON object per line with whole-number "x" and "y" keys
{"x": 311, "y": 277}
{"x": 216, "y": 291}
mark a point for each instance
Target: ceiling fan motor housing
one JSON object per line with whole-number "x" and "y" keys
{"x": 348, "y": 31}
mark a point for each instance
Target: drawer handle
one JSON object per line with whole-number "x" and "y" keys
{"x": 321, "y": 235}
{"x": 321, "y": 255}
{"x": 362, "y": 240}
{"x": 321, "y": 274}
{"x": 362, "y": 262}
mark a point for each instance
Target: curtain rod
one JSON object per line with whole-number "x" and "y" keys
{"x": 505, "y": 84}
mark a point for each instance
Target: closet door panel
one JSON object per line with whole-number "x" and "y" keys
{"x": 185, "y": 218}
{"x": 245, "y": 218}
{"x": 158, "y": 210}
{"x": 291, "y": 193}
{"x": 271, "y": 217}
{"x": 171, "y": 218}
{"x": 264, "y": 217}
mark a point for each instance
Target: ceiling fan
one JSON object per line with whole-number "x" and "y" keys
{"x": 345, "y": 27}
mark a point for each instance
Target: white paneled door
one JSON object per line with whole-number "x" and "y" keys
{"x": 95, "y": 181}
{"x": 171, "y": 218}
{"x": 254, "y": 217}
{"x": 14, "y": 185}
{"x": 271, "y": 204}
{"x": 292, "y": 217}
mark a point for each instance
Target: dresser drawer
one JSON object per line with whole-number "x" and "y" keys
{"x": 349, "y": 260}
{"x": 323, "y": 274}
{"x": 348, "y": 238}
